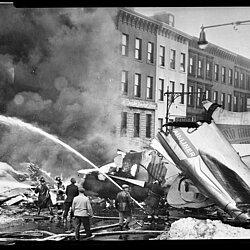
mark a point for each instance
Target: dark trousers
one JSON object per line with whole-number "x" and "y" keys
{"x": 86, "y": 223}
{"x": 67, "y": 206}
{"x": 124, "y": 215}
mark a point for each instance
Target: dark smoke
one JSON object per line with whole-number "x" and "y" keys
{"x": 66, "y": 81}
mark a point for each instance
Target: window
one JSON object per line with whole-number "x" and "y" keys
{"x": 148, "y": 125}
{"x": 190, "y": 96}
{"x": 161, "y": 90}
{"x": 222, "y": 100}
{"x": 236, "y": 79}
{"x": 229, "y": 102}
{"x": 235, "y": 103}
{"x": 182, "y": 62}
{"x": 162, "y": 56}
{"x": 242, "y": 80}
{"x": 136, "y": 125}
{"x": 242, "y": 104}
{"x": 209, "y": 70}
{"x": 150, "y": 52}
{"x": 124, "y": 123}
{"x": 207, "y": 94}
{"x": 172, "y": 59}
{"x": 172, "y": 87}
{"x": 124, "y": 82}
{"x": 149, "y": 87}
{"x": 191, "y": 69}
{"x": 216, "y": 72}
{"x": 137, "y": 85}
{"x": 124, "y": 44}
{"x": 199, "y": 97}
{"x": 230, "y": 76}
{"x": 182, "y": 95}
{"x": 223, "y": 74}
{"x": 138, "y": 48}
{"x": 160, "y": 123}
{"x": 200, "y": 67}
{"x": 216, "y": 96}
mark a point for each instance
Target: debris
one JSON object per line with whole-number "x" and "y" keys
{"x": 191, "y": 228}
{"x": 16, "y": 199}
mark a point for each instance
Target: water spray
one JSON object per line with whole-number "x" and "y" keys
{"x": 17, "y": 122}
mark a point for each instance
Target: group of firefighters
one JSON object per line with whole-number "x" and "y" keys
{"x": 73, "y": 199}
{"x": 62, "y": 204}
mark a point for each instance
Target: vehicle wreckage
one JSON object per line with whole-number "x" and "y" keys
{"x": 198, "y": 163}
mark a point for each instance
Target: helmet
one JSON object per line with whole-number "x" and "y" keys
{"x": 42, "y": 179}
{"x": 125, "y": 186}
{"x": 58, "y": 179}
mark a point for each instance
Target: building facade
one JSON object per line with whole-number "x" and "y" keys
{"x": 171, "y": 74}
{"x": 157, "y": 58}
{"x": 138, "y": 79}
{"x": 154, "y": 59}
{"x": 218, "y": 75}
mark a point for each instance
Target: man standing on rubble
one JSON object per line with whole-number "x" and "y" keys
{"x": 154, "y": 195}
{"x": 44, "y": 198}
{"x": 124, "y": 205}
{"x": 71, "y": 192}
{"x": 82, "y": 210}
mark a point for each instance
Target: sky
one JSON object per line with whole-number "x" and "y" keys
{"x": 190, "y": 19}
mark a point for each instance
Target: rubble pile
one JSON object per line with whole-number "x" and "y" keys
{"x": 191, "y": 228}
{"x": 12, "y": 215}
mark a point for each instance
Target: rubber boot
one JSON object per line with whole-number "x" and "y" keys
{"x": 38, "y": 211}
{"x": 126, "y": 226}
{"x": 51, "y": 211}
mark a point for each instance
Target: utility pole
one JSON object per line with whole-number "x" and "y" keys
{"x": 171, "y": 96}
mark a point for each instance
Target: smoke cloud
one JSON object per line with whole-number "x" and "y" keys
{"x": 66, "y": 82}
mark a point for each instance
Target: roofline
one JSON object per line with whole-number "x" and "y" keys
{"x": 159, "y": 23}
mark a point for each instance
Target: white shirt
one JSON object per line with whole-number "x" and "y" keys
{"x": 81, "y": 206}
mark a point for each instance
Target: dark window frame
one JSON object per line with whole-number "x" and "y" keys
{"x": 136, "y": 124}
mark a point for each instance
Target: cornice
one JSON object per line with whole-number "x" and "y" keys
{"x": 156, "y": 27}
{"x": 151, "y": 25}
{"x": 138, "y": 21}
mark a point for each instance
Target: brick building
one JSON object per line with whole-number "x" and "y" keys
{"x": 154, "y": 58}
{"x": 221, "y": 75}
{"x": 171, "y": 71}
{"x": 138, "y": 74}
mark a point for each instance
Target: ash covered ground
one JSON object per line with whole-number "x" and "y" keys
{"x": 182, "y": 229}
{"x": 15, "y": 213}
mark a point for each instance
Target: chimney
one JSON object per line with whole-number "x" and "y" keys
{"x": 165, "y": 17}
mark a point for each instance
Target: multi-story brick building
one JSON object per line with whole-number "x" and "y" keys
{"x": 219, "y": 75}
{"x": 154, "y": 58}
{"x": 171, "y": 71}
{"x": 138, "y": 74}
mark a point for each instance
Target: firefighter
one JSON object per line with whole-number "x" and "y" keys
{"x": 154, "y": 195}
{"x": 60, "y": 195}
{"x": 44, "y": 198}
{"x": 124, "y": 205}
